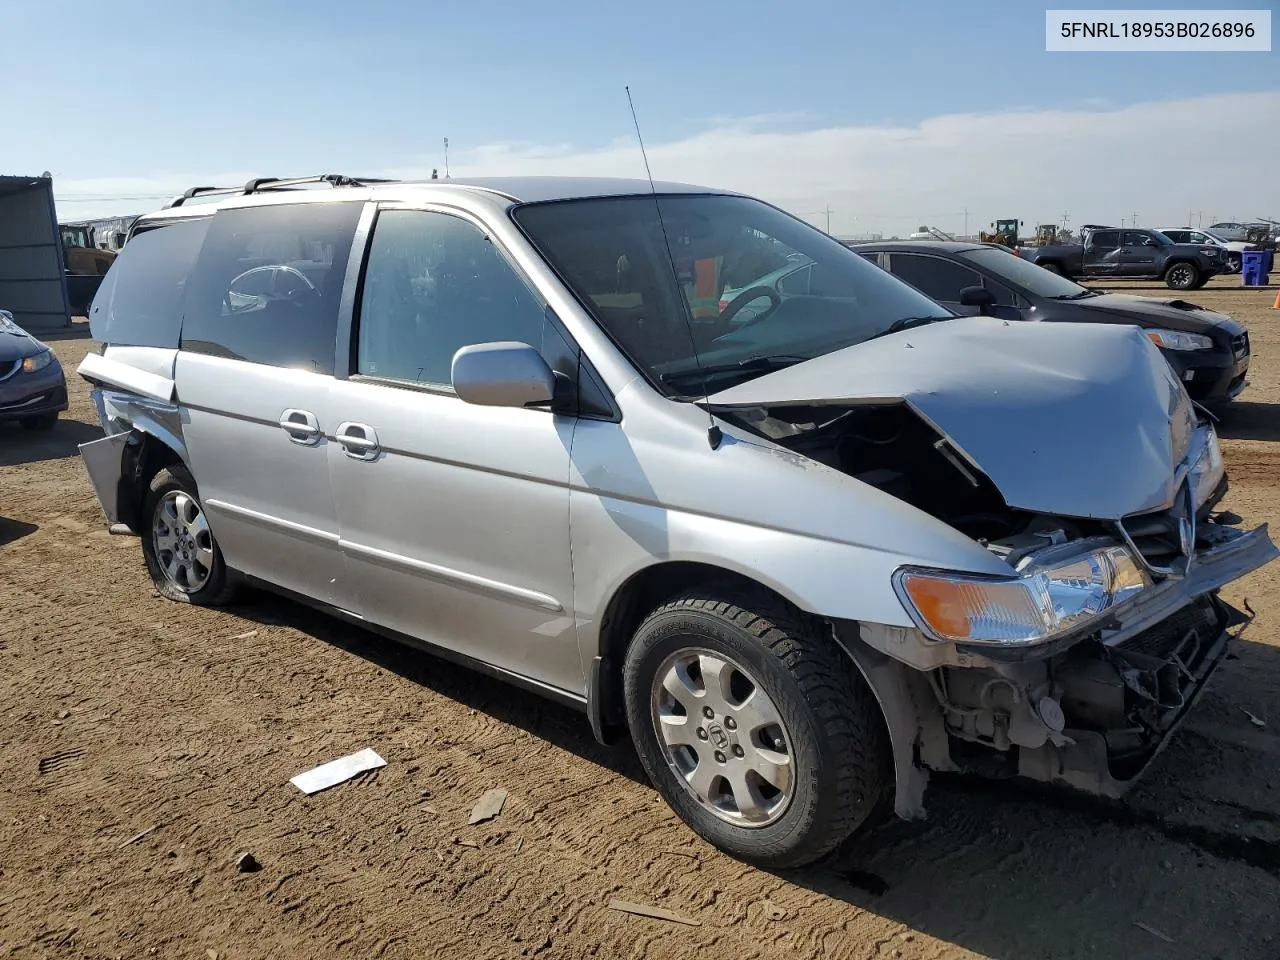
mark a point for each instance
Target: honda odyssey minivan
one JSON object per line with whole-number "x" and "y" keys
{"x": 802, "y": 560}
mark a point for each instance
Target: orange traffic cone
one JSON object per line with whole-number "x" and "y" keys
{"x": 1276, "y": 305}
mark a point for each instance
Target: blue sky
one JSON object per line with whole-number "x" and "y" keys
{"x": 115, "y": 97}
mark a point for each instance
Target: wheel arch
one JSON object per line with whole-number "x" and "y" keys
{"x": 145, "y": 454}
{"x": 893, "y": 684}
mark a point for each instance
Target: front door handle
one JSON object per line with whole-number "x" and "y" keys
{"x": 358, "y": 440}
{"x": 301, "y": 426}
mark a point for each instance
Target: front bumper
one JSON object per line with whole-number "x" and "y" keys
{"x": 1210, "y": 376}
{"x": 32, "y": 394}
{"x": 1095, "y": 712}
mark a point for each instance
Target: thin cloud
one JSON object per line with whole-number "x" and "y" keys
{"x": 1159, "y": 160}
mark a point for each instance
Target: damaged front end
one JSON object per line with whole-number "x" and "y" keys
{"x": 1092, "y": 479}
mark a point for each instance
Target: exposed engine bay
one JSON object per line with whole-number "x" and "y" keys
{"x": 1091, "y": 709}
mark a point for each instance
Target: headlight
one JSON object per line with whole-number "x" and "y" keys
{"x": 1178, "y": 340}
{"x": 38, "y": 362}
{"x": 1039, "y": 603}
{"x": 1206, "y": 469}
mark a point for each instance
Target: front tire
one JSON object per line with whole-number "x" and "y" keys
{"x": 1052, "y": 267}
{"x": 1182, "y": 276}
{"x": 755, "y": 728}
{"x": 1234, "y": 263}
{"x": 182, "y": 556}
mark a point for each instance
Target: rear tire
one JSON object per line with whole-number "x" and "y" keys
{"x": 1234, "y": 263}
{"x": 182, "y": 556}
{"x": 43, "y": 421}
{"x": 776, "y": 696}
{"x": 1051, "y": 267}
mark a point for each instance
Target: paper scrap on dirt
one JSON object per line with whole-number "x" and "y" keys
{"x": 657, "y": 913}
{"x": 1255, "y": 720}
{"x": 488, "y": 806}
{"x": 336, "y": 771}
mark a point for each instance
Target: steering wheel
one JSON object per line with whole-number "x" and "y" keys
{"x": 275, "y": 269}
{"x": 745, "y": 297}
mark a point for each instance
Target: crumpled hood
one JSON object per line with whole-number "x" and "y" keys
{"x": 1082, "y": 420}
{"x": 1164, "y": 312}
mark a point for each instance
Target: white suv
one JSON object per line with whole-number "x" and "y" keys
{"x": 803, "y": 559}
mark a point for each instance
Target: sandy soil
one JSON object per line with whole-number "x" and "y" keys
{"x": 121, "y": 714}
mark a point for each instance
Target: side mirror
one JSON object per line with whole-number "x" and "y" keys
{"x": 507, "y": 374}
{"x": 979, "y": 297}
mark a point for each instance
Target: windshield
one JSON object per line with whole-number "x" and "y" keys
{"x": 1035, "y": 280}
{"x": 794, "y": 292}
{"x": 1161, "y": 239}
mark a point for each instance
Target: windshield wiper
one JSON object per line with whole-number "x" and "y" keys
{"x": 776, "y": 362}
{"x": 906, "y": 323}
{"x": 1075, "y": 296}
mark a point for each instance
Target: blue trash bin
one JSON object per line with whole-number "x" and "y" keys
{"x": 1253, "y": 267}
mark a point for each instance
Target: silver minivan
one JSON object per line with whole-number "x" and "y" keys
{"x": 802, "y": 557}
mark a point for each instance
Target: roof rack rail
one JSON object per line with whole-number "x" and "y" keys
{"x": 259, "y": 184}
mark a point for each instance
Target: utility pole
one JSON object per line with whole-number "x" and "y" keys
{"x": 446, "y": 158}
{"x": 1134, "y": 221}
{"x": 966, "y": 222}
{"x": 828, "y": 218}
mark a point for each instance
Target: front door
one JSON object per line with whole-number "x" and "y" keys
{"x": 454, "y": 518}
{"x": 254, "y": 375}
{"x": 1138, "y": 253}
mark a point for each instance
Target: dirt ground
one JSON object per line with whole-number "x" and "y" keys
{"x": 144, "y": 745}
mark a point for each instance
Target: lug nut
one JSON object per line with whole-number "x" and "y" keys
{"x": 708, "y": 712}
{"x": 737, "y": 750}
{"x": 731, "y": 723}
{"x": 702, "y": 734}
{"x": 719, "y": 757}
{"x": 779, "y": 744}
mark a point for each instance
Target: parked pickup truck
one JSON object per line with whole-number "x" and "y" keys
{"x": 1132, "y": 253}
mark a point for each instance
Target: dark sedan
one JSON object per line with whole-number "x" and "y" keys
{"x": 1209, "y": 351}
{"x": 33, "y": 388}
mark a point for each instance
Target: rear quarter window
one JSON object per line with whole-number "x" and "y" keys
{"x": 268, "y": 282}
{"x": 140, "y": 301}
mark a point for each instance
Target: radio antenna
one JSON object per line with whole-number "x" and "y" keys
{"x": 714, "y": 435}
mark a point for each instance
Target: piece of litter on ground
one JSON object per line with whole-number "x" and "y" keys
{"x": 245, "y": 636}
{"x": 657, "y": 913}
{"x": 488, "y": 806}
{"x": 466, "y": 843}
{"x": 211, "y": 954}
{"x": 519, "y": 844}
{"x": 138, "y": 836}
{"x": 1256, "y": 721}
{"x": 1153, "y": 931}
{"x": 336, "y": 771}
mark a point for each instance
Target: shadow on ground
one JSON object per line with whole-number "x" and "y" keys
{"x": 11, "y": 530}
{"x": 19, "y": 446}
{"x": 1002, "y": 868}
{"x": 1247, "y": 420}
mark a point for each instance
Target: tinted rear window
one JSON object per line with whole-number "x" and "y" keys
{"x": 140, "y": 301}
{"x": 267, "y": 286}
